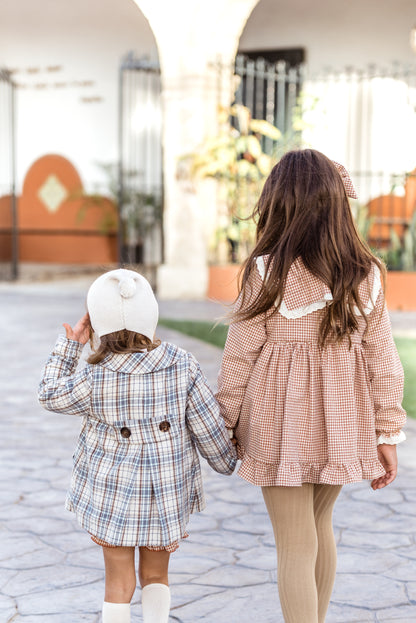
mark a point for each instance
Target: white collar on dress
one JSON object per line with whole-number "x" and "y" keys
{"x": 305, "y": 293}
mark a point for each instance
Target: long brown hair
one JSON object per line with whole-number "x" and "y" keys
{"x": 121, "y": 342}
{"x": 303, "y": 212}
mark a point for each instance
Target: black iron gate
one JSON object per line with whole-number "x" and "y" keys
{"x": 8, "y": 206}
{"x": 346, "y": 113}
{"x": 271, "y": 91}
{"x": 140, "y": 164}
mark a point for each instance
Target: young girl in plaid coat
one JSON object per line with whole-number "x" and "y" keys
{"x": 310, "y": 382}
{"x": 146, "y": 407}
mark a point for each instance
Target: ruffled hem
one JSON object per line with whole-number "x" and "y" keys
{"x": 287, "y": 474}
{"x": 172, "y": 547}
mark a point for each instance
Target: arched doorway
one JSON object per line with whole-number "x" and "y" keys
{"x": 358, "y": 104}
{"x": 64, "y": 60}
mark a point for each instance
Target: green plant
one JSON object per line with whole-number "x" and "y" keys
{"x": 407, "y": 351}
{"x": 361, "y": 218}
{"x": 139, "y": 211}
{"x": 401, "y": 252}
{"x": 106, "y": 205}
{"x": 240, "y": 158}
{"x": 205, "y": 331}
{"x": 237, "y": 160}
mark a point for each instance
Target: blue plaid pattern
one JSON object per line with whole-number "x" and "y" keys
{"x": 141, "y": 489}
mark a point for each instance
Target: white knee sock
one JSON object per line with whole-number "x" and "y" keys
{"x": 116, "y": 613}
{"x": 156, "y": 603}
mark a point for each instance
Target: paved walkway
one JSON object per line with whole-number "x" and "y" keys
{"x": 50, "y": 571}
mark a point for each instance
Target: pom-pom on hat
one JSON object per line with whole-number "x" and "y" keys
{"x": 122, "y": 299}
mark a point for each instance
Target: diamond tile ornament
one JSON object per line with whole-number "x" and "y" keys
{"x": 52, "y": 193}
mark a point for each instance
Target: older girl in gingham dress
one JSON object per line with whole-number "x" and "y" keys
{"x": 146, "y": 408}
{"x": 310, "y": 382}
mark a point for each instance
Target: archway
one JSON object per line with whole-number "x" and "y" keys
{"x": 190, "y": 36}
{"x": 64, "y": 60}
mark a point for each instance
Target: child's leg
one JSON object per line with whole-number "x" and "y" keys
{"x": 153, "y": 576}
{"x": 120, "y": 582}
{"x": 326, "y": 562}
{"x": 291, "y": 513}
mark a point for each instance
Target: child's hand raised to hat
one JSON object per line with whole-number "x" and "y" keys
{"x": 81, "y": 331}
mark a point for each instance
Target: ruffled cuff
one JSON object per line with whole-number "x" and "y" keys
{"x": 391, "y": 439}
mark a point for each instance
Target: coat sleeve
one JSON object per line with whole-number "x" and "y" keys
{"x": 385, "y": 373}
{"x": 206, "y": 425}
{"x": 245, "y": 341}
{"x": 61, "y": 388}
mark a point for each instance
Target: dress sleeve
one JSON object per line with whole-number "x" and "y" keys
{"x": 386, "y": 375}
{"x": 61, "y": 388}
{"x": 245, "y": 341}
{"x": 206, "y": 425}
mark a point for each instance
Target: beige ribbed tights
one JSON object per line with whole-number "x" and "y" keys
{"x": 306, "y": 549}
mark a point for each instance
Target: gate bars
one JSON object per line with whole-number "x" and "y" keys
{"x": 140, "y": 163}
{"x": 8, "y": 204}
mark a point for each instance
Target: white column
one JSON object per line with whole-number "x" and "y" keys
{"x": 190, "y": 34}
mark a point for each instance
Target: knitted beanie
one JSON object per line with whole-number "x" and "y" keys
{"x": 122, "y": 299}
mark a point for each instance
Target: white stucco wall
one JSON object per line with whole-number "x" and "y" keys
{"x": 88, "y": 40}
{"x": 368, "y": 124}
{"x": 191, "y": 35}
{"x": 334, "y": 33}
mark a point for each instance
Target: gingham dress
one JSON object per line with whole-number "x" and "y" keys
{"x": 136, "y": 475}
{"x": 302, "y": 413}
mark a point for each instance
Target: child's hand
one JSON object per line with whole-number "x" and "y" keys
{"x": 387, "y": 456}
{"x": 81, "y": 331}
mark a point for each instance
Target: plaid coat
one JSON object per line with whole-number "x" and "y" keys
{"x": 136, "y": 475}
{"x": 302, "y": 413}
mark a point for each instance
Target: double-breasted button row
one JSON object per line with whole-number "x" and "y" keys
{"x": 126, "y": 432}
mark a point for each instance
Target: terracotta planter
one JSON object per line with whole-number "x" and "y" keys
{"x": 222, "y": 282}
{"x": 401, "y": 287}
{"x": 401, "y": 291}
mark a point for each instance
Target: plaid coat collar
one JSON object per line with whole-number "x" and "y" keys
{"x": 146, "y": 362}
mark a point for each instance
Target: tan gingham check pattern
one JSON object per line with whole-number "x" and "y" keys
{"x": 348, "y": 185}
{"x": 136, "y": 475}
{"x": 306, "y": 414}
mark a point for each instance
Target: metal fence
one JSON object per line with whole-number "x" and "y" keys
{"x": 140, "y": 166}
{"x": 365, "y": 119}
{"x": 8, "y": 206}
{"x": 271, "y": 92}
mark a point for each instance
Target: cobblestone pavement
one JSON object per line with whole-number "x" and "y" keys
{"x": 51, "y": 572}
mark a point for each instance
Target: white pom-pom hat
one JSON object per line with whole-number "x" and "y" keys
{"x": 122, "y": 299}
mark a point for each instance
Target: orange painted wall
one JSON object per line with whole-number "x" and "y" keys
{"x": 52, "y": 236}
{"x": 5, "y": 228}
{"x": 392, "y": 212}
{"x": 401, "y": 291}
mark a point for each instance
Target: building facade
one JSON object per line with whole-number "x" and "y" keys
{"x": 65, "y": 62}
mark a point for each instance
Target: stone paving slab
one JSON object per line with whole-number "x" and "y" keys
{"x": 51, "y": 572}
